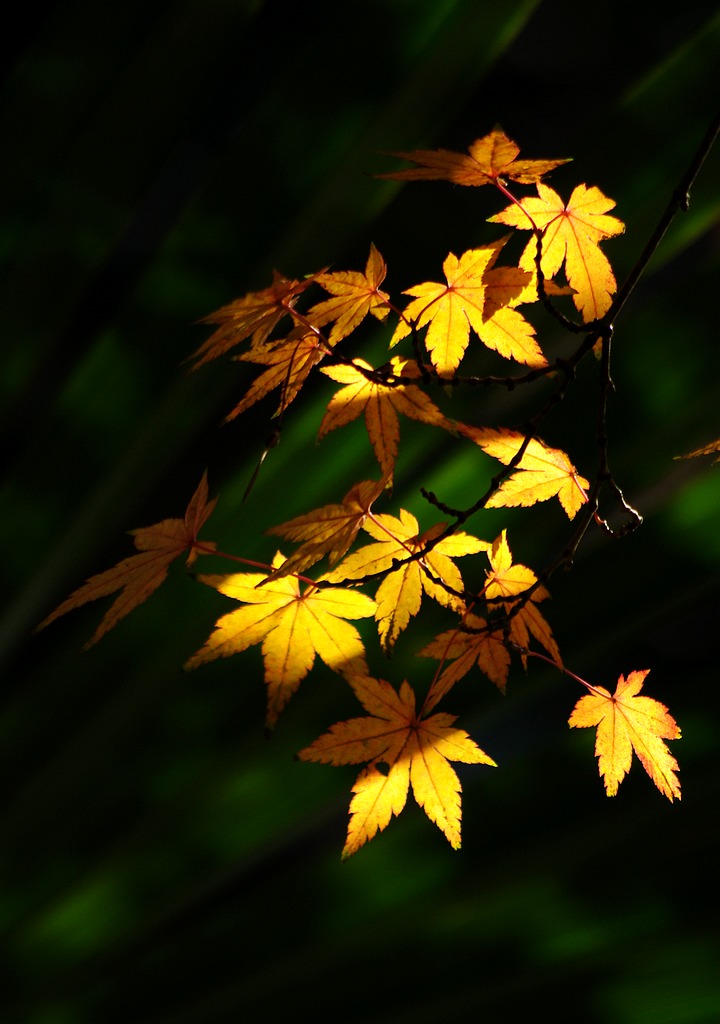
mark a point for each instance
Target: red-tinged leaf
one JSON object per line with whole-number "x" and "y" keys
{"x": 541, "y": 473}
{"x": 380, "y": 405}
{"x": 139, "y": 575}
{"x": 255, "y": 315}
{"x": 355, "y": 296}
{"x": 293, "y": 627}
{"x": 572, "y": 234}
{"x": 627, "y": 722}
{"x": 400, "y": 593}
{"x": 489, "y": 160}
{"x": 329, "y": 530}
{"x": 417, "y": 751}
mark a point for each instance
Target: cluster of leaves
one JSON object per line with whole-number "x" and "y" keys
{"x": 295, "y": 617}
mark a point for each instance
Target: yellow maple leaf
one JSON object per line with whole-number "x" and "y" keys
{"x": 379, "y": 404}
{"x": 448, "y": 310}
{"x": 475, "y": 296}
{"x": 293, "y": 627}
{"x": 400, "y": 594}
{"x": 627, "y": 722}
{"x": 329, "y": 530}
{"x": 541, "y": 473}
{"x": 489, "y": 159}
{"x": 572, "y": 234}
{"x": 505, "y": 578}
{"x": 417, "y": 751}
{"x": 355, "y": 296}
{"x": 139, "y": 575}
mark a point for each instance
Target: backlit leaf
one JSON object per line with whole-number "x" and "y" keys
{"x": 572, "y": 234}
{"x": 355, "y": 296}
{"x": 255, "y": 315}
{"x": 417, "y": 751}
{"x": 139, "y": 575}
{"x": 476, "y": 297}
{"x": 289, "y": 364}
{"x": 541, "y": 473}
{"x": 293, "y": 626}
{"x": 489, "y": 159}
{"x": 627, "y": 722}
{"x": 329, "y": 530}
{"x": 475, "y": 641}
{"x": 380, "y": 404}
{"x": 400, "y": 594}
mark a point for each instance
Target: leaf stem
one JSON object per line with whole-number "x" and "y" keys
{"x": 560, "y": 668}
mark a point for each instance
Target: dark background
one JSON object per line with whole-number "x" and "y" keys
{"x": 160, "y": 860}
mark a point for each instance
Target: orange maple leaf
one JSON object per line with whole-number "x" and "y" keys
{"x": 506, "y": 580}
{"x": 292, "y": 626}
{"x": 491, "y": 159}
{"x": 571, "y": 235}
{"x": 139, "y": 575}
{"x": 380, "y": 404}
{"x": 708, "y": 449}
{"x": 329, "y": 530}
{"x": 400, "y": 594}
{"x": 355, "y": 296}
{"x": 256, "y": 314}
{"x": 626, "y": 722}
{"x": 476, "y": 641}
{"x": 473, "y": 642}
{"x": 289, "y": 365}
{"x": 541, "y": 473}
{"x": 450, "y": 310}
{"x": 417, "y": 751}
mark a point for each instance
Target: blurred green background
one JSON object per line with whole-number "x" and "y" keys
{"x": 160, "y": 860}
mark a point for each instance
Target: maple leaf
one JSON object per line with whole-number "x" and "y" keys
{"x": 355, "y": 296}
{"x": 541, "y": 473}
{"x": 399, "y": 596}
{"x": 289, "y": 364}
{"x": 471, "y": 643}
{"x": 256, "y": 314}
{"x": 571, "y": 235}
{"x": 417, "y": 751}
{"x": 489, "y": 160}
{"x": 329, "y": 530}
{"x": 627, "y": 722}
{"x": 141, "y": 574}
{"x": 450, "y": 310}
{"x": 709, "y": 449}
{"x": 380, "y": 404}
{"x": 293, "y": 627}
{"x": 506, "y": 580}
{"x": 477, "y": 642}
